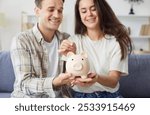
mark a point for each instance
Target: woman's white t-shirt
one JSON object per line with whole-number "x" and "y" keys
{"x": 104, "y": 55}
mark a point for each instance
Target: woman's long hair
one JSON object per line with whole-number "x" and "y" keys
{"x": 109, "y": 24}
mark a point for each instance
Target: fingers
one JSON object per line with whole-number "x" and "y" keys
{"x": 84, "y": 80}
{"x": 69, "y": 79}
{"x": 92, "y": 75}
{"x": 90, "y": 80}
{"x": 72, "y": 83}
{"x": 67, "y": 42}
{"x": 65, "y": 76}
{"x": 67, "y": 46}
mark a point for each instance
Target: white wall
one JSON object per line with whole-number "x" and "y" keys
{"x": 134, "y": 23}
{"x": 68, "y": 21}
{"x": 13, "y": 9}
{"x": 122, "y": 7}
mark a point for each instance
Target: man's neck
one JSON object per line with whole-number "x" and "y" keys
{"x": 47, "y": 34}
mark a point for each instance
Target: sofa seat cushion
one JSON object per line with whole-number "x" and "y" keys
{"x": 137, "y": 83}
{"x": 7, "y": 76}
{"x": 5, "y": 95}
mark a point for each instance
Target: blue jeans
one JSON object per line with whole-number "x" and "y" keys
{"x": 97, "y": 94}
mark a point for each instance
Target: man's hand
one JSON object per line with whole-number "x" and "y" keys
{"x": 62, "y": 79}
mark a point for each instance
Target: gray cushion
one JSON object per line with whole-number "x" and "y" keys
{"x": 6, "y": 72}
{"x": 137, "y": 83}
{"x": 5, "y": 95}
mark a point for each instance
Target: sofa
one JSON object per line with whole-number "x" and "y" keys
{"x": 135, "y": 85}
{"x": 7, "y": 76}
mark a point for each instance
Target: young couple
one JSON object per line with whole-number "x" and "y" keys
{"x": 36, "y": 53}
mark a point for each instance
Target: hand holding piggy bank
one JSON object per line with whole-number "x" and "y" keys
{"x": 77, "y": 64}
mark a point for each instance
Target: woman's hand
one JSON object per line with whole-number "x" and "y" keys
{"x": 90, "y": 80}
{"x": 67, "y": 46}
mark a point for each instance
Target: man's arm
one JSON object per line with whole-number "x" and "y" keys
{"x": 27, "y": 80}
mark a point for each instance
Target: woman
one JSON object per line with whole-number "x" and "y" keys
{"x": 99, "y": 33}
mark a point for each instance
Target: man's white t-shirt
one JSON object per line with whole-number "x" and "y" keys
{"x": 104, "y": 55}
{"x": 52, "y": 48}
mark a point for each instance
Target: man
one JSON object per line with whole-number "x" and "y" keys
{"x": 35, "y": 57}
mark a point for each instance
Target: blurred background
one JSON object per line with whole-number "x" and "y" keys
{"x": 18, "y": 15}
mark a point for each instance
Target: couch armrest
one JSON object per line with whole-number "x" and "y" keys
{"x": 7, "y": 76}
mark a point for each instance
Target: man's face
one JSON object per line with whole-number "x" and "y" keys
{"x": 50, "y": 14}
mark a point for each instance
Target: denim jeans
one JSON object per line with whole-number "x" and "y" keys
{"x": 97, "y": 94}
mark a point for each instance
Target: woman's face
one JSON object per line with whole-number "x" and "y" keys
{"x": 88, "y": 13}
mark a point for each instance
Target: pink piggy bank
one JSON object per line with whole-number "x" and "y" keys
{"x": 77, "y": 64}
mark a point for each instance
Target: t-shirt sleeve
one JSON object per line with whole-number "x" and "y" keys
{"x": 116, "y": 63}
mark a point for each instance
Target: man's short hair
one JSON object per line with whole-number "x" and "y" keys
{"x": 38, "y": 2}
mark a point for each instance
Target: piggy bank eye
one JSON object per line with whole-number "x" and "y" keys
{"x": 82, "y": 59}
{"x": 72, "y": 59}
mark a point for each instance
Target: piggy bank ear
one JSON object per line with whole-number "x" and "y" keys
{"x": 84, "y": 54}
{"x": 70, "y": 54}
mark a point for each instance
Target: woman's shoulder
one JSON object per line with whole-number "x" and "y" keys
{"x": 112, "y": 41}
{"x": 111, "y": 38}
{"x": 76, "y": 37}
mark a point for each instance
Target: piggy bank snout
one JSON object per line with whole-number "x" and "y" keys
{"x": 78, "y": 66}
